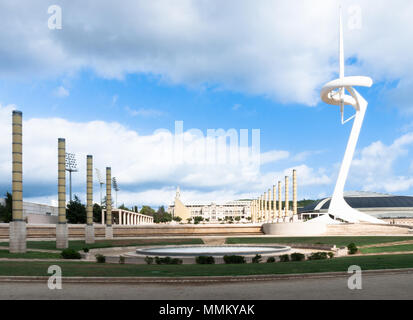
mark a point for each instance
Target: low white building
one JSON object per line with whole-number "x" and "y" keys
{"x": 36, "y": 213}
{"x": 212, "y": 212}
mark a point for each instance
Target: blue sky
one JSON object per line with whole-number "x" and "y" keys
{"x": 108, "y": 87}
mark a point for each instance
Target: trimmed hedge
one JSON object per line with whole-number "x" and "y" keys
{"x": 205, "y": 260}
{"x": 70, "y": 254}
{"x": 284, "y": 258}
{"x": 257, "y": 258}
{"x": 318, "y": 256}
{"x": 233, "y": 259}
{"x": 297, "y": 256}
{"x": 270, "y": 260}
{"x": 352, "y": 248}
{"x": 168, "y": 260}
{"x": 100, "y": 258}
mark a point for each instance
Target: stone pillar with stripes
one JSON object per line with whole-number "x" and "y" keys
{"x": 17, "y": 227}
{"x": 62, "y": 232}
{"x": 89, "y": 229}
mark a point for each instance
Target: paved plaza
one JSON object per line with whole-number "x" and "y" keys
{"x": 385, "y": 286}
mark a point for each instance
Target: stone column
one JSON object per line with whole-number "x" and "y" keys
{"x": 62, "y": 231}
{"x": 265, "y": 207}
{"x": 103, "y": 216}
{"x": 279, "y": 202}
{"x": 109, "y": 228}
{"x": 268, "y": 218}
{"x": 274, "y": 204}
{"x": 17, "y": 227}
{"x": 89, "y": 231}
{"x": 286, "y": 201}
{"x": 295, "y": 213}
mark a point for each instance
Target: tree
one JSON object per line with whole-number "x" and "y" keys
{"x": 76, "y": 211}
{"x": 161, "y": 216}
{"x": 6, "y": 209}
{"x": 147, "y": 210}
{"x": 97, "y": 213}
{"x": 178, "y": 219}
{"x": 123, "y": 207}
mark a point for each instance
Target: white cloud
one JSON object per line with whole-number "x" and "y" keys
{"x": 377, "y": 168}
{"x": 281, "y": 49}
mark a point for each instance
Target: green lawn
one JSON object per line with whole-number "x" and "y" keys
{"x": 80, "y": 244}
{"x": 338, "y": 241}
{"x": 396, "y": 248}
{"x": 29, "y": 255}
{"x": 69, "y": 268}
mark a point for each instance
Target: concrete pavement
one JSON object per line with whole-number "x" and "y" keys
{"x": 383, "y": 286}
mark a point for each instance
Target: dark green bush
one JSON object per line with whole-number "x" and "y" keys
{"x": 100, "y": 258}
{"x": 271, "y": 260}
{"x": 284, "y": 258}
{"x": 148, "y": 260}
{"x": 85, "y": 250}
{"x": 318, "y": 256}
{"x": 121, "y": 259}
{"x": 257, "y": 259}
{"x": 205, "y": 260}
{"x": 70, "y": 254}
{"x": 168, "y": 260}
{"x": 234, "y": 259}
{"x": 352, "y": 248}
{"x": 297, "y": 256}
{"x": 331, "y": 255}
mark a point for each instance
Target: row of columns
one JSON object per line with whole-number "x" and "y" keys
{"x": 17, "y": 227}
{"x": 266, "y": 208}
{"x": 128, "y": 218}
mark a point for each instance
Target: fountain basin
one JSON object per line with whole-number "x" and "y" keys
{"x": 219, "y": 251}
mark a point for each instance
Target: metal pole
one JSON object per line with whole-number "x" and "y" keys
{"x": 70, "y": 185}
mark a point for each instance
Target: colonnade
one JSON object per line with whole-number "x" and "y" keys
{"x": 127, "y": 218}
{"x": 268, "y": 207}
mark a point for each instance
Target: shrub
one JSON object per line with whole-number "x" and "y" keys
{"x": 330, "y": 255}
{"x": 297, "y": 256}
{"x": 168, "y": 260}
{"x": 234, "y": 259}
{"x": 121, "y": 259}
{"x": 70, "y": 254}
{"x": 271, "y": 260}
{"x": 352, "y": 248}
{"x": 318, "y": 256}
{"x": 85, "y": 250}
{"x": 100, "y": 258}
{"x": 148, "y": 260}
{"x": 284, "y": 258}
{"x": 205, "y": 260}
{"x": 257, "y": 258}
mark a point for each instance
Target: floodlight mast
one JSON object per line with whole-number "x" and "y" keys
{"x": 71, "y": 166}
{"x": 116, "y": 187}
{"x": 101, "y": 183}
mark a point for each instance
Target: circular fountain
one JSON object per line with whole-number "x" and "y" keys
{"x": 218, "y": 251}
